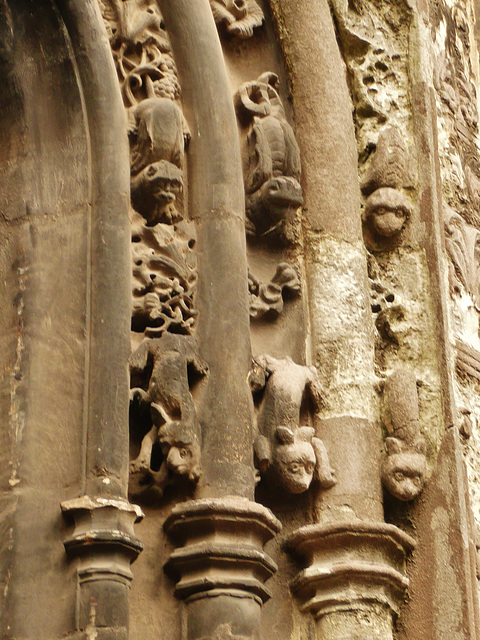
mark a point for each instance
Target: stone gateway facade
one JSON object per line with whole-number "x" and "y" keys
{"x": 240, "y": 319}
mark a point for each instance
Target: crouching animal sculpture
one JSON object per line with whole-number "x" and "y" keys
{"x": 404, "y": 467}
{"x": 160, "y": 387}
{"x": 288, "y": 452}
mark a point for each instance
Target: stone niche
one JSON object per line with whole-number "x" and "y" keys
{"x": 240, "y": 320}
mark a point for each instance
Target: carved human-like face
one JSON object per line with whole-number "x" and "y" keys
{"x": 294, "y": 465}
{"x": 403, "y": 474}
{"x": 386, "y": 211}
{"x": 386, "y": 221}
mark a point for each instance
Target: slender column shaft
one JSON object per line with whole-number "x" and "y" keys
{"x": 220, "y": 565}
{"x": 354, "y": 576}
{"x": 106, "y": 402}
{"x": 103, "y": 538}
{"x": 216, "y": 203}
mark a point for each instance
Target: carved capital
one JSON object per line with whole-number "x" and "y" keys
{"x": 103, "y": 538}
{"x": 350, "y": 566}
{"x": 221, "y": 548}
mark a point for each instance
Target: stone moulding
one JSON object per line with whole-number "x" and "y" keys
{"x": 350, "y": 566}
{"x": 468, "y": 359}
{"x": 221, "y": 548}
{"x": 106, "y": 526}
{"x": 104, "y": 543}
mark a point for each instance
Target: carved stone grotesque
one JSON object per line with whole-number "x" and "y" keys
{"x": 239, "y": 17}
{"x": 157, "y": 133}
{"x": 157, "y": 140}
{"x": 155, "y": 191}
{"x": 386, "y": 212}
{"x": 287, "y": 451}
{"x": 267, "y": 298}
{"x": 161, "y": 372}
{"x": 387, "y": 208}
{"x": 404, "y": 468}
{"x": 272, "y": 172}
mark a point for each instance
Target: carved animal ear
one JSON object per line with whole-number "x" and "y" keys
{"x": 263, "y": 453}
{"x": 419, "y": 446}
{"x": 306, "y": 433}
{"x": 393, "y": 445}
{"x": 284, "y": 435}
{"x": 257, "y": 377}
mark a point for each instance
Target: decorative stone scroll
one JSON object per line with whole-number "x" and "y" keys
{"x": 404, "y": 468}
{"x": 272, "y": 169}
{"x": 287, "y": 451}
{"x": 141, "y": 50}
{"x": 238, "y": 17}
{"x": 267, "y": 298}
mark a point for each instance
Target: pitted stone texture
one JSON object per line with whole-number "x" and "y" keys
{"x": 341, "y": 325}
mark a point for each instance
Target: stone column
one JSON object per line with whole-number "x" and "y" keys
{"x": 355, "y": 579}
{"x": 103, "y": 537}
{"x": 220, "y": 565}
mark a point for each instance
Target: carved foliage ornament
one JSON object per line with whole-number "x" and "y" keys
{"x": 238, "y": 17}
{"x": 141, "y": 50}
{"x": 463, "y": 246}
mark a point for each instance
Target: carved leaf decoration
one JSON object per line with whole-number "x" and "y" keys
{"x": 463, "y": 247}
{"x": 240, "y": 17}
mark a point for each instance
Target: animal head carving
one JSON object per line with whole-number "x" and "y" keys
{"x": 181, "y": 451}
{"x": 155, "y": 190}
{"x": 281, "y": 196}
{"x": 404, "y": 468}
{"x": 386, "y": 212}
{"x": 294, "y": 459}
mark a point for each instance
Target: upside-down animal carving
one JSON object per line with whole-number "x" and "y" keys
{"x": 160, "y": 371}
{"x": 404, "y": 468}
{"x": 287, "y": 451}
{"x": 240, "y": 17}
{"x": 272, "y": 172}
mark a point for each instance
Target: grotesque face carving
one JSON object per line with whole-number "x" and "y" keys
{"x": 155, "y": 190}
{"x": 293, "y": 458}
{"x": 404, "y": 469}
{"x": 281, "y": 196}
{"x": 181, "y": 452}
{"x": 386, "y": 211}
{"x": 294, "y": 465}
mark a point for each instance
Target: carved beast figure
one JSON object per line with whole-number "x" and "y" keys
{"x": 287, "y": 452}
{"x": 404, "y": 468}
{"x": 273, "y": 191}
{"x": 160, "y": 383}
